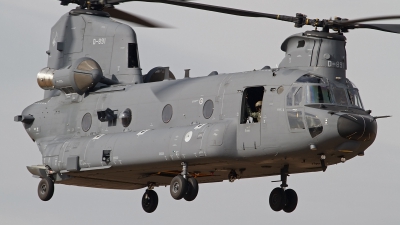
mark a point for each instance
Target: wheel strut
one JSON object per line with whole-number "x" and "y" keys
{"x": 184, "y": 169}
{"x": 284, "y": 175}
{"x": 183, "y": 185}
{"x": 232, "y": 176}
{"x": 323, "y": 164}
{"x": 283, "y": 199}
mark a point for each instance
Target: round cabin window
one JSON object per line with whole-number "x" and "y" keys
{"x": 208, "y": 109}
{"x": 167, "y": 113}
{"x": 126, "y": 117}
{"x": 280, "y": 90}
{"x": 86, "y": 122}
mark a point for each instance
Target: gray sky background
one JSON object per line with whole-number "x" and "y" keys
{"x": 364, "y": 190}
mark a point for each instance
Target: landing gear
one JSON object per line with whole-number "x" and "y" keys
{"x": 178, "y": 187}
{"x": 291, "y": 200}
{"x": 46, "y": 189}
{"x": 149, "y": 201}
{"x": 232, "y": 176}
{"x": 192, "y": 189}
{"x": 277, "y": 199}
{"x": 283, "y": 199}
{"x": 183, "y": 186}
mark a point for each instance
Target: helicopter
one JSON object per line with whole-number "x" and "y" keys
{"x": 94, "y": 129}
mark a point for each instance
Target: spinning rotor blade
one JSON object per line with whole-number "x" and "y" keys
{"x": 300, "y": 19}
{"x": 393, "y": 28}
{"x": 355, "y": 21}
{"x": 337, "y": 24}
{"x": 119, "y": 14}
{"x": 219, "y": 9}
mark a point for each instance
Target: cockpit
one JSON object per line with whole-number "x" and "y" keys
{"x": 318, "y": 90}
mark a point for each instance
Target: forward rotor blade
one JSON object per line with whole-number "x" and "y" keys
{"x": 393, "y": 28}
{"x": 119, "y": 14}
{"x": 220, "y": 9}
{"x": 349, "y": 22}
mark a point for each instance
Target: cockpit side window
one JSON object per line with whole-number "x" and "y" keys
{"x": 289, "y": 97}
{"x": 298, "y": 97}
{"x": 354, "y": 96}
{"x": 296, "y": 120}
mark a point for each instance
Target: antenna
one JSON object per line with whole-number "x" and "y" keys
{"x": 187, "y": 73}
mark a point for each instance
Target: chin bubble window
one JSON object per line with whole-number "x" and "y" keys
{"x": 314, "y": 124}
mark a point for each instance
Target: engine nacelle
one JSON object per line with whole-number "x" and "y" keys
{"x": 83, "y": 74}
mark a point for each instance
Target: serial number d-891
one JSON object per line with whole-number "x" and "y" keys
{"x": 336, "y": 64}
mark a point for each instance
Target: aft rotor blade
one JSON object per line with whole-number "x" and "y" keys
{"x": 355, "y": 21}
{"x": 393, "y": 28}
{"x": 119, "y": 14}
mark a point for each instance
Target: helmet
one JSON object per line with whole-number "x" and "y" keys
{"x": 258, "y": 104}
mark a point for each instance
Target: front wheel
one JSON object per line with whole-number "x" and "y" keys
{"x": 46, "y": 189}
{"x": 149, "y": 201}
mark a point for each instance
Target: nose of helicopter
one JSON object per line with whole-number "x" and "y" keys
{"x": 357, "y": 127}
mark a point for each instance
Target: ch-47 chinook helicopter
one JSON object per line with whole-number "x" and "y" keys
{"x": 103, "y": 124}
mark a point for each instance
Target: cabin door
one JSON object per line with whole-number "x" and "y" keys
{"x": 249, "y": 127}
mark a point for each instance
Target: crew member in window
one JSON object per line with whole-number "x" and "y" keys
{"x": 256, "y": 115}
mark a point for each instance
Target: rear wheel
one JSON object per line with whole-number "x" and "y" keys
{"x": 291, "y": 201}
{"x": 192, "y": 189}
{"x": 46, "y": 189}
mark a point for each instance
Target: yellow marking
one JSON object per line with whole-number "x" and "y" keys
{"x": 307, "y": 22}
{"x": 345, "y": 151}
{"x": 277, "y": 16}
{"x": 178, "y": 172}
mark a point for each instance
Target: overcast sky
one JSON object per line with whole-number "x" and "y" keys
{"x": 364, "y": 190}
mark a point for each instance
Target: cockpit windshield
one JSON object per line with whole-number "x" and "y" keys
{"x": 339, "y": 94}
{"x": 319, "y": 90}
{"x": 318, "y": 94}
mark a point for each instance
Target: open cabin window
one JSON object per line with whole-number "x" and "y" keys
{"x": 252, "y": 105}
{"x": 133, "y": 57}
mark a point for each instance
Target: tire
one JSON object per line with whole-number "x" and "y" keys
{"x": 178, "y": 187}
{"x": 277, "y": 199}
{"x": 291, "y": 201}
{"x": 150, "y": 201}
{"x": 192, "y": 189}
{"x": 46, "y": 189}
